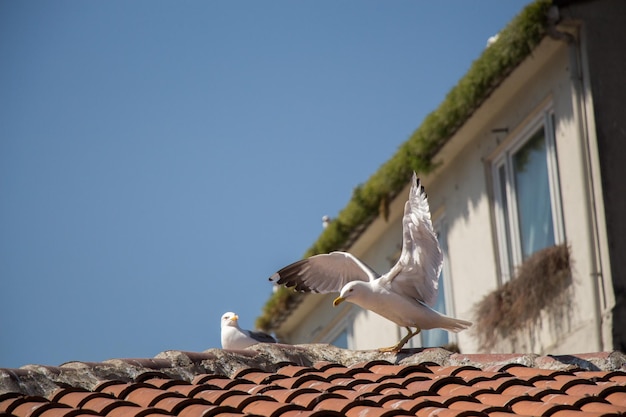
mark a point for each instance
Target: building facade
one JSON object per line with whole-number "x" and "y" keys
{"x": 536, "y": 165}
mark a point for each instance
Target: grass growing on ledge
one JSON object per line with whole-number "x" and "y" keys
{"x": 514, "y": 44}
{"x": 539, "y": 285}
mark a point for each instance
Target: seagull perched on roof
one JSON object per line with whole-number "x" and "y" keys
{"x": 234, "y": 337}
{"x": 403, "y": 295}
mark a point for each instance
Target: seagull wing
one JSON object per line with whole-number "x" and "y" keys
{"x": 260, "y": 337}
{"x": 416, "y": 274}
{"x": 324, "y": 273}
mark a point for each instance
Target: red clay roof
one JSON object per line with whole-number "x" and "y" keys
{"x": 321, "y": 380}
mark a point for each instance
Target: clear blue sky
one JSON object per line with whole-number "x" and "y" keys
{"x": 159, "y": 160}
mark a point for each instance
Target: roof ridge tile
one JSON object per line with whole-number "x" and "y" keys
{"x": 276, "y": 381}
{"x": 325, "y": 365}
{"x": 151, "y": 375}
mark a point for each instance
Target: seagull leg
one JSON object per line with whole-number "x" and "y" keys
{"x": 396, "y": 348}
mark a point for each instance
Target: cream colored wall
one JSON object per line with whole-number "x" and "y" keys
{"x": 462, "y": 193}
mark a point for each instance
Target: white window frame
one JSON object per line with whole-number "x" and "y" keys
{"x": 507, "y": 227}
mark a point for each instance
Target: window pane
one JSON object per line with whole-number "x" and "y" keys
{"x": 341, "y": 341}
{"x": 533, "y": 195}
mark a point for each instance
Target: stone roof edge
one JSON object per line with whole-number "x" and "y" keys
{"x": 40, "y": 380}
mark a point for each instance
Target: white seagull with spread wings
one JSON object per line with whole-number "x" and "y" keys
{"x": 403, "y": 295}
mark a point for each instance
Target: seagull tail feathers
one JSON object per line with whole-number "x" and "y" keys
{"x": 454, "y": 325}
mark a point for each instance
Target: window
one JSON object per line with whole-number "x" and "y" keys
{"x": 526, "y": 190}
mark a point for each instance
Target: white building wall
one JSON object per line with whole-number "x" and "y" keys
{"x": 462, "y": 191}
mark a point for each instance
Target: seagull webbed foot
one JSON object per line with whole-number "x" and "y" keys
{"x": 398, "y": 346}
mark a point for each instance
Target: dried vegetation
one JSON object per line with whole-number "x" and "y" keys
{"x": 540, "y": 285}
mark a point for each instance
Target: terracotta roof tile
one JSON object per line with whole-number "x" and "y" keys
{"x": 270, "y": 408}
{"x": 125, "y": 409}
{"x": 103, "y": 405}
{"x": 368, "y": 411}
{"x": 189, "y": 390}
{"x": 77, "y": 399}
{"x": 163, "y": 383}
{"x": 603, "y": 408}
{"x": 216, "y": 396}
{"x": 305, "y": 381}
{"x": 240, "y": 402}
{"x": 537, "y": 408}
{"x": 33, "y": 408}
{"x": 206, "y": 410}
{"x": 112, "y": 387}
{"x": 414, "y": 404}
{"x": 174, "y": 404}
{"x": 293, "y": 370}
{"x": 147, "y": 397}
{"x": 468, "y": 390}
{"x": 319, "y": 385}
{"x": 614, "y": 397}
{"x": 256, "y": 376}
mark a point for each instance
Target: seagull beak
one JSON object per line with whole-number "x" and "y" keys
{"x": 235, "y": 318}
{"x": 338, "y": 301}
